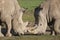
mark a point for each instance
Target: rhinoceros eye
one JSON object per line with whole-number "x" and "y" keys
{"x": 40, "y": 24}
{"x": 41, "y": 8}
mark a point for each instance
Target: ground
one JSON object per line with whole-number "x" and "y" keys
{"x": 32, "y": 37}
{"x": 28, "y": 16}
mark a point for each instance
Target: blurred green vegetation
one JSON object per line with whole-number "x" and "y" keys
{"x": 32, "y": 37}
{"x": 30, "y": 4}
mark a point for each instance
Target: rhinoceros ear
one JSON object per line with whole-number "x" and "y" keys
{"x": 24, "y": 9}
{"x": 41, "y": 8}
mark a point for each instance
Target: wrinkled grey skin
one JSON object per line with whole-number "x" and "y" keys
{"x": 10, "y": 10}
{"x": 49, "y": 13}
{"x": 41, "y": 25}
{"x": 53, "y": 14}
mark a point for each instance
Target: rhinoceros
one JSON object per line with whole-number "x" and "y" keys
{"x": 49, "y": 14}
{"x": 11, "y": 13}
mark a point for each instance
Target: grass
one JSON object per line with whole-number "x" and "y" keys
{"x": 32, "y": 37}
{"x": 30, "y": 4}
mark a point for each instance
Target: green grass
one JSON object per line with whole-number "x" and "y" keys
{"x": 32, "y": 37}
{"x": 30, "y": 4}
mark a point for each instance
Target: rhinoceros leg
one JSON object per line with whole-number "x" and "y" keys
{"x": 57, "y": 26}
{"x": 8, "y": 22}
{"x": 1, "y": 35}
